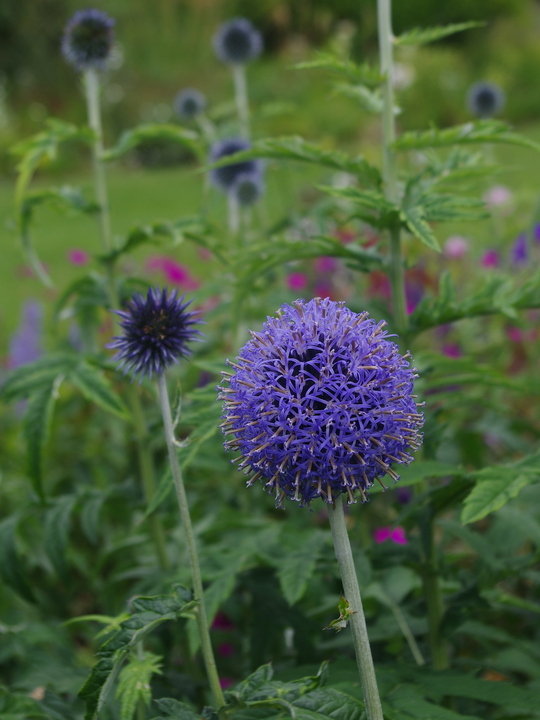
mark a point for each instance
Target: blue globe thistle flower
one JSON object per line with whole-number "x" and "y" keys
{"x": 237, "y": 41}
{"x": 156, "y": 332}
{"x": 189, "y": 103}
{"x": 485, "y": 99}
{"x": 248, "y": 188}
{"x": 225, "y": 177}
{"x": 88, "y": 39}
{"x": 519, "y": 252}
{"x": 321, "y": 403}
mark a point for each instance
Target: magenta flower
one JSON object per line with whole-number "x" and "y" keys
{"x": 452, "y": 350}
{"x": 490, "y": 259}
{"x": 297, "y": 281}
{"x": 396, "y": 535}
{"x": 226, "y": 682}
{"x": 325, "y": 264}
{"x": 226, "y": 650}
{"x": 174, "y": 273}
{"x": 514, "y": 334}
{"x": 455, "y": 247}
{"x": 78, "y": 257}
{"x": 222, "y": 622}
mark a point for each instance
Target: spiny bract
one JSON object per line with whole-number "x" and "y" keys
{"x": 321, "y": 403}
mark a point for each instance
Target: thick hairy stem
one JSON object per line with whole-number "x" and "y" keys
{"x": 202, "y": 623}
{"x": 357, "y": 621}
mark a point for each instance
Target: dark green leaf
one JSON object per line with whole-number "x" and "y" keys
{"x": 11, "y": 565}
{"x": 176, "y": 710}
{"x": 173, "y": 133}
{"x": 330, "y": 703}
{"x": 57, "y": 524}
{"x": 345, "y": 68}
{"x": 96, "y": 388}
{"x": 415, "y": 220}
{"x": 33, "y": 377}
{"x": 297, "y": 566}
{"x": 252, "y": 684}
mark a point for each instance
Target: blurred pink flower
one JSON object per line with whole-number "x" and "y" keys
{"x": 78, "y": 257}
{"x": 452, "y": 350}
{"x": 455, "y": 247}
{"x": 222, "y": 622}
{"x": 514, "y": 334}
{"x": 345, "y": 236}
{"x": 411, "y": 305}
{"x": 497, "y": 196}
{"x": 226, "y": 682}
{"x": 226, "y": 649}
{"x": 490, "y": 259}
{"x": 323, "y": 290}
{"x": 174, "y": 272}
{"x": 325, "y": 264}
{"x": 204, "y": 253}
{"x": 396, "y": 535}
{"x": 297, "y": 281}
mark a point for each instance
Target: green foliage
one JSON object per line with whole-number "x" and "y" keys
{"x": 348, "y": 69}
{"x": 11, "y": 566}
{"x": 134, "y": 683}
{"x": 421, "y": 36}
{"x": 173, "y": 133}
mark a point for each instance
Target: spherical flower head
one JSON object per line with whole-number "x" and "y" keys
{"x": 237, "y": 42}
{"x": 248, "y": 188}
{"x": 485, "y": 99}
{"x": 225, "y": 177}
{"x": 490, "y": 259}
{"x": 455, "y": 247}
{"x": 321, "y": 403}
{"x": 189, "y": 103}
{"x": 157, "y": 330}
{"x": 88, "y": 39}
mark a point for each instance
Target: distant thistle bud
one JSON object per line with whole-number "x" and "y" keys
{"x": 485, "y": 99}
{"x": 189, "y": 103}
{"x": 88, "y": 39}
{"x": 157, "y": 330}
{"x": 237, "y": 42}
{"x": 321, "y": 403}
{"x": 248, "y": 188}
{"x": 225, "y": 177}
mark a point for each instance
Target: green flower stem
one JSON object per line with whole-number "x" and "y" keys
{"x": 342, "y": 547}
{"x": 146, "y": 463}
{"x": 240, "y": 94}
{"x": 202, "y": 623}
{"x": 432, "y": 592}
{"x": 384, "y": 15}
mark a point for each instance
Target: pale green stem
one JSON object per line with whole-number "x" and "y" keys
{"x": 91, "y": 84}
{"x": 234, "y": 214}
{"x": 240, "y": 94}
{"x": 357, "y": 621}
{"x": 202, "y": 622}
{"x": 386, "y": 38}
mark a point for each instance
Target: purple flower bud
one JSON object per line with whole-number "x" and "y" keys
{"x": 88, "y": 39}
{"x": 519, "y": 253}
{"x": 248, "y": 188}
{"x": 237, "y": 42}
{"x": 225, "y": 177}
{"x": 321, "y": 403}
{"x": 157, "y": 330}
{"x": 485, "y": 99}
{"x": 25, "y": 344}
{"x": 189, "y": 103}
{"x": 490, "y": 259}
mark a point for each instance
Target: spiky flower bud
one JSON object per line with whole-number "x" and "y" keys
{"x": 485, "y": 99}
{"x": 88, "y": 39}
{"x": 321, "y": 403}
{"x": 237, "y": 42}
{"x": 189, "y": 103}
{"x": 225, "y": 177}
{"x": 157, "y": 330}
{"x": 248, "y": 188}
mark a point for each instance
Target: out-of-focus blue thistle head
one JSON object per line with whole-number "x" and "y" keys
{"x": 26, "y": 343}
{"x": 237, "y": 42}
{"x": 225, "y": 177}
{"x": 157, "y": 330}
{"x": 248, "y": 188}
{"x": 88, "y": 39}
{"x": 189, "y": 103}
{"x": 519, "y": 253}
{"x": 320, "y": 403}
{"x": 485, "y": 99}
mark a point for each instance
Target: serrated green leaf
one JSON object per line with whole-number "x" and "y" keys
{"x": 89, "y": 516}
{"x": 176, "y": 710}
{"x": 93, "y": 384}
{"x": 11, "y": 565}
{"x": 16, "y": 706}
{"x": 422, "y": 36}
{"x": 86, "y": 292}
{"x": 490, "y": 495}
{"x": 346, "y": 68}
{"x": 33, "y": 377}
{"x": 297, "y": 567}
{"x": 252, "y": 684}
{"x": 37, "y": 425}
{"x": 329, "y": 703}
{"x": 409, "y": 700}
{"x": 155, "y": 131}
{"x": 370, "y": 100}
{"x": 414, "y": 219}
{"x": 481, "y": 131}
{"x": 134, "y": 683}
{"x": 298, "y": 149}
{"x": 56, "y": 532}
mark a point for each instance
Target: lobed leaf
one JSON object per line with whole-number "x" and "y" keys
{"x": 56, "y": 531}
{"x": 346, "y": 68}
{"x": 95, "y": 387}
{"x": 11, "y": 565}
{"x": 370, "y": 100}
{"x": 297, "y": 567}
{"x": 422, "y": 36}
{"x": 134, "y": 683}
{"x": 155, "y": 131}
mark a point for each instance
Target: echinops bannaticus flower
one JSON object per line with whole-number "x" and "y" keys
{"x": 485, "y": 99}
{"x": 225, "y": 177}
{"x": 88, "y": 39}
{"x": 237, "y": 41}
{"x": 321, "y": 403}
{"x": 189, "y": 103}
{"x": 157, "y": 330}
{"x": 248, "y": 188}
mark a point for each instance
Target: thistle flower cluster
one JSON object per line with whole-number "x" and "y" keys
{"x": 157, "y": 330}
{"x": 189, "y": 103}
{"x": 231, "y": 178}
{"x": 320, "y": 404}
{"x": 248, "y": 188}
{"x": 88, "y": 39}
{"x": 237, "y": 42}
{"x": 485, "y": 99}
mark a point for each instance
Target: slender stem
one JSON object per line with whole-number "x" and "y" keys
{"x": 240, "y": 94}
{"x": 384, "y": 13}
{"x": 206, "y": 127}
{"x": 146, "y": 463}
{"x": 362, "y": 649}
{"x": 202, "y": 623}
{"x": 432, "y": 591}
{"x": 234, "y": 214}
